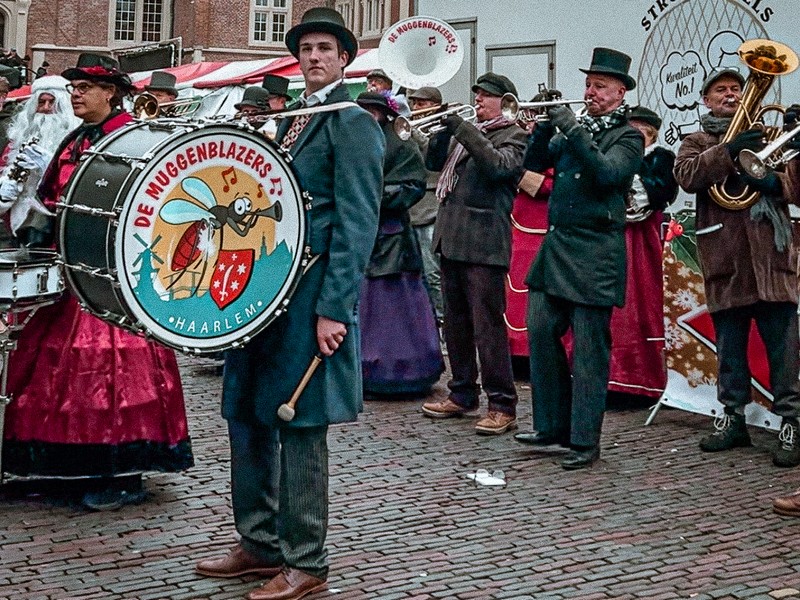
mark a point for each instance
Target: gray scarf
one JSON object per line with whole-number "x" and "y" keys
{"x": 768, "y": 207}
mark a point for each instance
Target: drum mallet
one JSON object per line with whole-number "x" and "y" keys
{"x": 286, "y": 411}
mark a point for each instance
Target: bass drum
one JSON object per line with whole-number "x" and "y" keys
{"x": 191, "y": 233}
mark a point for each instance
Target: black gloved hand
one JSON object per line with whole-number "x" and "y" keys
{"x": 771, "y": 184}
{"x": 752, "y": 139}
{"x": 563, "y": 118}
{"x": 452, "y": 122}
{"x": 790, "y": 117}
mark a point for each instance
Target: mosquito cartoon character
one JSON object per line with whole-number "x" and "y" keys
{"x": 196, "y": 244}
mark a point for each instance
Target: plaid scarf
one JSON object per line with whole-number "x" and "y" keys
{"x": 448, "y": 178}
{"x": 594, "y": 125}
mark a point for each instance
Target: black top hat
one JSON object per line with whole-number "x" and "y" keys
{"x": 256, "y": 96}
{"x": 378, "y": 100}
{"x": 614, "y": 63}
{"x": 276, "y": 85}
{"x": 162, "y": 81}
{"x": 324, "y": 20}
{"x": 642, "y": 113}
{"x": 494, "y": 84}
{"x": 100, "y": 68}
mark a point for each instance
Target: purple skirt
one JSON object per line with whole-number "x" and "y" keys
{"x": 400, "y": 352}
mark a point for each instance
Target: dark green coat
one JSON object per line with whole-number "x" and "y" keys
{"x": 582, "y": 258}
{"x": 338, "y": 159}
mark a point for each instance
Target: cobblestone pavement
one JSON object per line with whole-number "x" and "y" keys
{"x": 654, "y": 519}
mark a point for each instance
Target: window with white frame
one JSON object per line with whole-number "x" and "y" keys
{"x": 373, "y": 16}
{"x": 346, "y": 9}
{"x": 139, "y": 20}
{"x": 269, "y": 20}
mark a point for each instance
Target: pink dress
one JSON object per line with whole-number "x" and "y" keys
{"x": 89, "y": 399}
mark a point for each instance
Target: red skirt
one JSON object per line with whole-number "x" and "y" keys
{"x": 92, "y": 399}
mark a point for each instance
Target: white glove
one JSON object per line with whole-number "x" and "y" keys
{"x": 9, "y": 190}
{"x": 34, "y": 157}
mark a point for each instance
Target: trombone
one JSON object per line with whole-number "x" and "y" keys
{"x": 759, "y": 164}
{"x": 147, "y": 106}
{"x": 432, "y": 124}
{"x": 525, "y": 112}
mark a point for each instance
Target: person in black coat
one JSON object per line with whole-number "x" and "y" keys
{"x": 578, "y": 275}
{"x": 478, "y": 181}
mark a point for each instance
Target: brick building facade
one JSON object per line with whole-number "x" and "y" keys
{"x": 207, "y": 29}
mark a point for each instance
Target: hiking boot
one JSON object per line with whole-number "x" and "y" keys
{"x": 495, "y": 423}
{"x": 731, "y": 432}
{"x": 444, "y": 409}
{"x": 787, "y": 454}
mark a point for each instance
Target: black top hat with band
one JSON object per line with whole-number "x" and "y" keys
{"x": 613, "y": 63}
{"x": 381, "y": 101}
{"x": 276, "y": 85}
{"x": 99, "y": 68}
{"x": 255, "y": 96}
{"x": 494, "y": 84}
{"x": 162, "y": 81}
{"x": 322, "y": 20}
{"x": 644, "y": 114}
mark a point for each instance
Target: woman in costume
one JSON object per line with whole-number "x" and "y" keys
{"x": 88, "y": 399}
{"x": 399, "y": 338}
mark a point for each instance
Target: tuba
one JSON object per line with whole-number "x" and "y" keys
{"x": 420, "y": 51}
{"x": 766, "y": 60}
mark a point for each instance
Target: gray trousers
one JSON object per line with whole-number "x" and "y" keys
{"x": 430, "y": 267}
{"x": 777, "y": 324}
{"x": 279, "y": 487}
{"x": 568, "y": 406}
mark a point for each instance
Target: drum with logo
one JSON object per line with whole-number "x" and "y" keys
{"x": 191, "y": 233}
{"x": 29, "y": 277}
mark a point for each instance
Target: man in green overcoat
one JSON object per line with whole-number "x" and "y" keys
{"x": 578, "y": 275}
{"x": 279, "y": 470}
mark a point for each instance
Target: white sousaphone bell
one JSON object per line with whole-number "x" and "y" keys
{"x": 420, "y": 51}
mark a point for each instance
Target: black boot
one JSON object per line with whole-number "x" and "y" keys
{"x": 731, "y": 432}
{"x": 787, "y": 454}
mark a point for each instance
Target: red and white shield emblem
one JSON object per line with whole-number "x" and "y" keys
{"x": 231, "y": 275}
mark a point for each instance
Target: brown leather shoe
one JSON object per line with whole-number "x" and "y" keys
{"x": 444, "y": 409}
{"x": 495, "y": 423}
{"x": 235, "y": 564}
{"x": 788, "y": 505}
{"x": 289, "y": 584}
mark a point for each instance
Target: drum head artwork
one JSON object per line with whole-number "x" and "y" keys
{"x": 211, "y": 239}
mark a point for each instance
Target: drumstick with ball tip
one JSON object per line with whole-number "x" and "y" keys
{"x": 286, "y": 411}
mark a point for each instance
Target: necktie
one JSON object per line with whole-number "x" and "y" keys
{"x": 297, "y": 126}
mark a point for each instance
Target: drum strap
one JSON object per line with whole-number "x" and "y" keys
{"x": 298, "y": 124}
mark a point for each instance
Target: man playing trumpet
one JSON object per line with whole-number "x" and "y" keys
{"x": 745, "y": 256}
{"x": 578, "y": 275}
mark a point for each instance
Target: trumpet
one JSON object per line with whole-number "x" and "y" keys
{"x": 432, "y": 124}
{"x": 525, "y": 112}
{"x": 147, "y": 106}
{"x": 759, "y": 164}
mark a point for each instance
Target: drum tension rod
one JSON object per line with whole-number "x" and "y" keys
{"x": 90, "y": 210}
{"x": 94, "y": 272}
{"x": 110, "y": 157}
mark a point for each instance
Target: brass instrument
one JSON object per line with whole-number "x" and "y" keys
{"x": 146, "y": 106}
{"x": 525, "y": 112}
{"x": 766, "y": 60}
{"x": 16, "y": 172}
{"x": 432, "y": 124}
{"x": 773, "y": 156}
{"x": 260, "y": 117}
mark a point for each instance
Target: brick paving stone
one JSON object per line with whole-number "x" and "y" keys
{"x": 650, "y": 520}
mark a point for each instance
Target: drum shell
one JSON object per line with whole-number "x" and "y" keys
{"x": 29, "y": 277}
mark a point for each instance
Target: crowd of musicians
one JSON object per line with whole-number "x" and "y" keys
{"x": 537, "y": 237}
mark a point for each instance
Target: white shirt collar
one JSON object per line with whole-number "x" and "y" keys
{"x": 320, "y": 96}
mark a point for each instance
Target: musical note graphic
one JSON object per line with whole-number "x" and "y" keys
{"x": 260, "y": 191}
{"x": 432, "y": 40}
{"x": 232, "y": 172}
{"x": 277, "y": 186}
